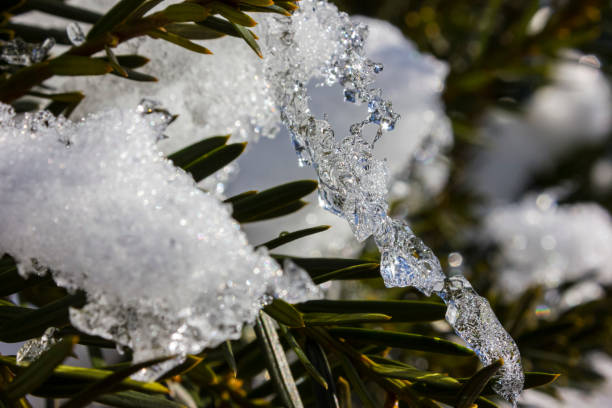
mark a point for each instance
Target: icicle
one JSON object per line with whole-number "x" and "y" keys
{"x": 353, "y": 184}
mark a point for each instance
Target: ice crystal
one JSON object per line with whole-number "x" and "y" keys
{"x": 32, "y": 349}
{"x": 165, "y": 267}
{"x": 316, "y": 42}
{"x": 21, "y": 53}
{"x": 353, "y": 183}
{"x": 75, "y": 34}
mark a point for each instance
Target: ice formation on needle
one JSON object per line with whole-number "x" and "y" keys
{"x": 166, "y": 269}
{"x": 32, "y": 349}
{"x": 21, "y": 53}
{"x": 353, "y": 184}
{"x": 75, "y": 34}
{"x": 238, "y": 100}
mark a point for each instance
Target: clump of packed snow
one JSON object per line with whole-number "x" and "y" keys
{"x": 165, "y": 267}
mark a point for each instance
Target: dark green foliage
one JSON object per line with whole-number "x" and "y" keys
{"x": 409, "y": 341}
{"x": 304, "y": 359}
{"x": 214, "y": 160}
{"x": 191, "y": 153}
{"x": 325, "y": 394}
{"x": 474, "y": 386}
{"x": 311, "y": 331}
{"x": 27, "y": 323}
{"x": 285, "y": 313}
{"x": 108, "y": 384}
{"x": 273, "y": 354}
{"x": 399, "y": 310}
{"x": 285, "y": 238}
{"x": 276, "y": 201}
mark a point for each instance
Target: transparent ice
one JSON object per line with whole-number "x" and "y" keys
{"x": 414, "y": 81}
{"x": 166, "y": 269}
{"x": 32, "y": 349}
{"x": 353, "y": 183}
{"x": 75, "y": 34}
{"x": 20, "y": 53}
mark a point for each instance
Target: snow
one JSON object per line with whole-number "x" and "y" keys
{"x": 165, "y": 267}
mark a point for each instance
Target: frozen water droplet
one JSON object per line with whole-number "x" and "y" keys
{"x": 32, "y": 349}
{"x": 39, "y": 53}
{"x": 75, "y": 34}
{"x": 20, "y": 53}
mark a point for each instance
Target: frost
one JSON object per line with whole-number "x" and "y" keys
{"x": 212, "y": 95}
{"x": 353, "y": 183}
{"x": 235, "y": 83}
{"x": 544, "y": 243}
{"x": 165, "y": 267}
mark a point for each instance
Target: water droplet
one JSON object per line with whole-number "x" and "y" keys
{"x": 75, "y": 34}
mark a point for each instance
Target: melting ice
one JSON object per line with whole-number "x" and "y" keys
{"x": 353, "y": 183}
